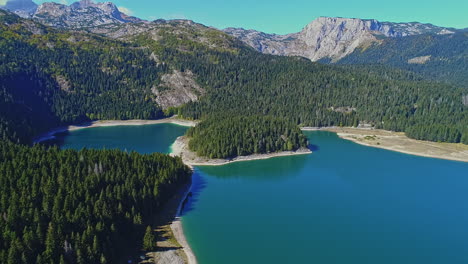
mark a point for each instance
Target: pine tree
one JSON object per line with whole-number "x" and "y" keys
{"x": 149, "y": 240}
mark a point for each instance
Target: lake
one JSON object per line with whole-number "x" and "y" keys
{"x": 345, "y": 203}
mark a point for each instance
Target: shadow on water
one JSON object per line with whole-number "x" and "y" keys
{"x": 314, "y": 148}
{"x": 198, "y": 184}
{"x": 57, "y": 140}
{"x": 259, "y": 170}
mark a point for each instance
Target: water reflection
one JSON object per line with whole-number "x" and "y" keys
{"x": 259, "y": 170}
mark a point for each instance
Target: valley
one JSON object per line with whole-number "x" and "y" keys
{"x": 121, "y": 139}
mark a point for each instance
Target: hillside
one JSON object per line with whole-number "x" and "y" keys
{"x": 436, "y": 57}
{"x": 216, "y": 73}
{"x": 52, "y": 77}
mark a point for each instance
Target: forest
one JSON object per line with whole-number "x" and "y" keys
{"x": 88, "y": 206}
{"x": 230, "y": 136}
{"x": 447, "y": 56}
{"x": 57, "y": 78}
{"x": 243, "y": 82}
{"x": 66, "y": 206}
{"x": 69, "y": 87}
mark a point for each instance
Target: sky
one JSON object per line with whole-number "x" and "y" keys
{"x": 281, "y": 17}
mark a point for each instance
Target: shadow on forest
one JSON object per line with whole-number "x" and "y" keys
{"x": 164, "y": 249}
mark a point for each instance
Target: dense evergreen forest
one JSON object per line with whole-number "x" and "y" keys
{"x": 87, "y": 206}
{"x": 446, "y": 55}
{"x": 73, "y": 77}
{"x": 79, "y": 206}
{"x": 52, "y": 78}
{"x": 228, "y": 137}
{"x": 240, "y": 81}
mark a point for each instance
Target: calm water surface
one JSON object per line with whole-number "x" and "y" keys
{"x": 143, "y": 139}
{"x": 345, "y": 203}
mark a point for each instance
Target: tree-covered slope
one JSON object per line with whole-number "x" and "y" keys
{"x": 85, "y": 206}
{"x": 50, "y": 77}
{"x": 240, "y": 81}
{"x": 436, "y": 57}
{"x": 88, "y": 206}
{"x": 231, "y": 136}
{"x": 78, "y": 76}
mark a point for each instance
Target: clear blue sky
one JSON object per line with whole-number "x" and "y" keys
{"x": 274, "y": 16}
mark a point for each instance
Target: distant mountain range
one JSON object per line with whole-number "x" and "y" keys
{"x": 138, "y": 70}
{"x": 334, "y": 38}
{"x": 443, "y": 56}
{"x": 80, "y": 14}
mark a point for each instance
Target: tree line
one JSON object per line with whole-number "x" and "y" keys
{"x": 230, "y": 136}
{"x": 243, "y": 82}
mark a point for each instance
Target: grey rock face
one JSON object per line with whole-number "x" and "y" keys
{"x": 177, "y": 89}
{"x": 419, "y": 60}
{"x": 23, "y": 8}
{"x": 333, "y": 38}
{"x": 81, "y": 14}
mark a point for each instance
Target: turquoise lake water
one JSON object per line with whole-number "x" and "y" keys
{"x": 345, "y": 203}
{"x": 143, "y": 139}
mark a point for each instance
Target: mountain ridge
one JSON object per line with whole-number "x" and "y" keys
{"x": 332, "y": 37}
{"x": 81, "y": 14}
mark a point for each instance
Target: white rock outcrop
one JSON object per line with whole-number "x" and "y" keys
{"x": 331, "y": 37}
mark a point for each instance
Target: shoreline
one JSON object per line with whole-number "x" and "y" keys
{"x": 180, "y": 148}
{"x": 176, "y": 224}
{"x": 178, "y": 230}
{"x": 107, "y": 123}
{"x": 399, "y": 142}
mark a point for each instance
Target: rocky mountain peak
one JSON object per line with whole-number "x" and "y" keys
{"x": 83, "y": 4}
{"x": 331, "y": 37}
{"x": 82, "y": 14}
{"x": 23, "y": 8}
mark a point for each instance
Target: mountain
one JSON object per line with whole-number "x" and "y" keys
{"x": 152, "y": 69}
{"x": 82, "y": 14}
{"x": 333, "y": 38}
{"x": 23, "y": 8}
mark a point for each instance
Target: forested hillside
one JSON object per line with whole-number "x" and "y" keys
{"x": 230, "y": 136}
{"x": 83, "y": 206}
{"x": 436, "y": 57}
{"x": 88, "y": 206}
{"x": 74, "y": 77}
{"x": 49, "y": 78}
{"x": 241, "y": 81}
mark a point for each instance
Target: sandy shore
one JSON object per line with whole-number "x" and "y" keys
{"x": 180, "y": 148}
{"x": 397, "y": 141}
{"x": 106, "y": 123}
{"x": 178, "y": 231}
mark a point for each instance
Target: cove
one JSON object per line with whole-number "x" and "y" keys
{"x": 345, "y": 203}
{"x": 143, "y": 139}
